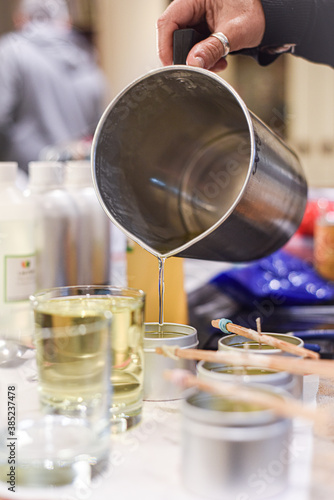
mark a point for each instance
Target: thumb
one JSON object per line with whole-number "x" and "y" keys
{"x": 207, "y": 54}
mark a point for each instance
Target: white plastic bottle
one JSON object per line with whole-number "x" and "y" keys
{"x": 94, "y": 247}
{"x": 57, "y": 225}
{"x": 17, "y": 256}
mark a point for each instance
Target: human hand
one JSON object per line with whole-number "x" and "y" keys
{"x": 242, "y": 21}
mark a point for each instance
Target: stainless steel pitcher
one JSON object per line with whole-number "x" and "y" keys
{"x": 184, "y": 168}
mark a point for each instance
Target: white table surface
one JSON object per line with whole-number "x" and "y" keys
{"x": 145, "y": 462}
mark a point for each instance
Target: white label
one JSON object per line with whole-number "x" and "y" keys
{"x": 20, "y": 277}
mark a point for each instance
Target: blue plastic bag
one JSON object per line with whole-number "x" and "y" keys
{"x": 281, "y": 276}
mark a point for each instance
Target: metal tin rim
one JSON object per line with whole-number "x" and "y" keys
{"x": 282, "y": 336}
{"x": 229, "y": 419}
{"x": 266, "y": 378}
{"x": 268, "y": 430}
{"x": 188, "y": 340}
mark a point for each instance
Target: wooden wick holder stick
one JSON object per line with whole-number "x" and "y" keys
{"x": 323, "y": 368}
{"x": 282, "y": 406}
{"x": 267, "y": 339}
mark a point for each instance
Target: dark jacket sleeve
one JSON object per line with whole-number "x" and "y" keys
{"x": 304, "y": 27}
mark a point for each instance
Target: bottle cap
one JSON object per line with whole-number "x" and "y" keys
{"x": 78, "y": 173}
{"x": 8, "y": 171}
{"x": 46, "y": 173}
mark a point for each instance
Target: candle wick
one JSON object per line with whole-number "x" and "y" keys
{"x": 259, "y": 331}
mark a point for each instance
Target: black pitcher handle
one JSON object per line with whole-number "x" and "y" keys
{"x": 183, "y": 42}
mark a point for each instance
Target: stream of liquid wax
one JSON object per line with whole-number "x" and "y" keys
{"x": 161, "y": 261}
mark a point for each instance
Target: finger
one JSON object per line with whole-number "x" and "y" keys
{"x": 179, "y": 14}
{"x": 220, "y": 65}
{"x": 206, "y": 54}
{"x": 165, "y": 30}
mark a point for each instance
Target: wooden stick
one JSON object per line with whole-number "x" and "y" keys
{"x": 323, "y": 368}
{"x": 283, "y": 406}
{"x": 259, "y": 331}
{"x": 272, "y": 341}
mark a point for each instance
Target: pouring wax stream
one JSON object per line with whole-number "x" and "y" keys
{"x": 161, "y": 261}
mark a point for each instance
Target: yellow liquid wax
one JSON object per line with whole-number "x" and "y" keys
{"x": 251, "y": 345}
{"x": 71, "y": 338}
{"x": 221, "y": 404}
{"x": 127, "y": 348}
{"x": 163, "y": 335}
{"x": 242, "y": 370}
{"x": 70, "y": 366}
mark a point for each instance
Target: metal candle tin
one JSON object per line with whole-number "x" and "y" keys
{"x": 228, "y": 342}
{"x": 235, "y": 341}
{"x": 232, "y": 455}
{"x": 251, "y": 375}
{"x": 156, "y": 388}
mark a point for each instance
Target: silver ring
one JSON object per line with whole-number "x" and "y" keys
{"x": 224, "y": 41}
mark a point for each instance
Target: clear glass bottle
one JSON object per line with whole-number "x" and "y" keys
{"x": 94, "y": 248}
{"x": 57, "y": 225}
{"x": 17, "y": 256}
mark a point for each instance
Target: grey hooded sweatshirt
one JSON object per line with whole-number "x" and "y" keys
{"x": 51, "y": 91}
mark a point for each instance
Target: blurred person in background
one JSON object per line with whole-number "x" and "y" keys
{"x": 263, "y": 29}
{"x": 51, "y": 88}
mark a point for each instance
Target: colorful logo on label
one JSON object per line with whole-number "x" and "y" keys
{"x": 25, "y": 264}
